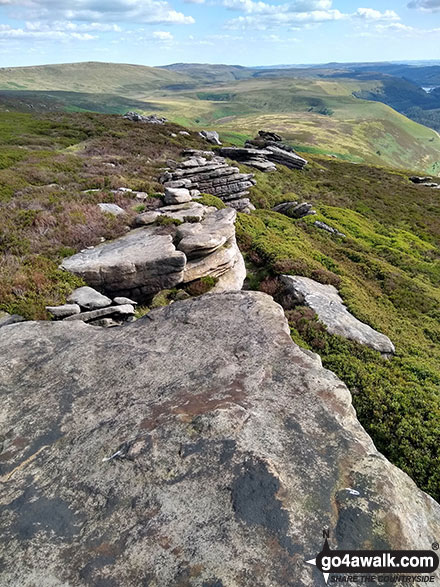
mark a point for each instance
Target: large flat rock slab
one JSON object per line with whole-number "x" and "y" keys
{"x": 139, "y": 264}
{"x": 197, "y": 446}
{"x": 328, "y": 305}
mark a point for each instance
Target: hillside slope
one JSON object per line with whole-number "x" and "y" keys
{"x": 317, "y": 112}
{"x": 90, "y": 77}
{"x": 55, "y": 169}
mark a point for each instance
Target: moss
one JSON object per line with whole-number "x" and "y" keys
{"x": 165, "y": 220}
{"x": 201, "y": 286}
{"x": 208, "y": 200}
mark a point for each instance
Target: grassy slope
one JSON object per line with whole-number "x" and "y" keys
{"x": 319, "y": 115}
{"x": 388, "y": 272}
{"x": 121, "y": 79}
{"x": 363, "y": 130}
{"x": 387, "y": 269}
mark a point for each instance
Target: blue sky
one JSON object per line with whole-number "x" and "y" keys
{"x": 246, "y": 32}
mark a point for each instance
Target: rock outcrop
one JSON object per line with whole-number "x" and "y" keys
{"x": 151, "y": 119}
{"x": 8, "y": 319}
{"x": 90, "y": 306}
{"x": 326, "y": 302}
{"x": 211, "y": 136}
{"x": 136, "y": 265}
{"x": 276, "y": 150}
{"x": 198, "y": 446}
{"x": 208, "y": 173}
{"x": 294, "y": 209}
{"x": 152, "y": 258}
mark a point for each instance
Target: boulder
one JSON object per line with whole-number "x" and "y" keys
{"x": 196, "y": 446}
{"x": 243, "y": 205}
{"x": 120, "y": 301}
{"x": 8, "y": 319}
{"x": 233, "y": 279}
{"x": 214, "y": 265}
{"x": 112, "y": 209}
{"x": 211, "y": 136}
{"x": 327, "y": 228}
{"x": 294, "y": 210}
{"x": 122, "y": 310}
{"x": 88, "y": 298}
{"x": 137, "y": 265}
{"x": 326, "y": 302}
{"x": 177, "y": 195}
{"x": 205, "y": 237}
{"x": 416, "y": 179}
{"x": 146, "y": 218}
{"x": 64, "y": 310}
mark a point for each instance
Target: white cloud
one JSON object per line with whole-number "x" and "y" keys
{"x": 282, "y": 18}
{"x": 146, "y": 11}
{"x": 7, "y": 32}
{"x": 375, "y": 15}
{"x": 68, "y": 26}
{"x": 163, "y": 35}
{"x": 426, "y": 5}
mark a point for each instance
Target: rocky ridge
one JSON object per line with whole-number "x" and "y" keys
{"x": 206, "y": 449}
{"x": 326, "y": 302}
{"x": 206, "y": 172}
{"x": 155, "y": 257}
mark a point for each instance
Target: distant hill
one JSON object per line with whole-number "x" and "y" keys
{"x": 321, "y": 110}
{"x": 90, "y": 77}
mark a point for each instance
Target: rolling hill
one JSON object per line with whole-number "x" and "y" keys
{"x": 322, "y": 111}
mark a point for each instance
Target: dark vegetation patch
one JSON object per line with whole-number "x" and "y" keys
{"x": 387, "y": 268}
{"x": 388, "y": 272}
{"x": 47, "y": 164}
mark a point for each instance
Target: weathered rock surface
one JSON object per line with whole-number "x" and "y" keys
{"x": 206, "y": 449}
{"x": 203, "y": 238}
{"x": 276, "y": 150}
{"x": 88, "y": 298}
{"x": 243, "y": 205}
{"x": 139, "y": 264}
{"x": 328, "y": 305}
{"x": 257, "y": 158}
{"x": 151, "y": 119}
{"x": 211, "y": 136}
{"x": 112, "y": 209}
{"x": 64, "y": 310}
{"x": 215, "y": 264}
{"x": 205, "y": 172}
{"x": 234, "y": 278}
{"x": 7, "y": 319}
{"x": 120, "y": 310}
{"x": 294, "y": 210}
{"x": 177, "y": 195}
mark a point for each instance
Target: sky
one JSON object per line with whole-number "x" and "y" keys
{"x": 244, "y": 32}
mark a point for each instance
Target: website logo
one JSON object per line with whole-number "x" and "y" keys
{"x": 376, "y": 562}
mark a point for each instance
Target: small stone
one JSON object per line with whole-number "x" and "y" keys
{"x": 177, "y": 195}
{"x": 123, "y": 310}
{"x": 8, "y": 319}
{"x": 64, "y": 310}
{"x": 120, "y": 301}
{"x": 88, "y": 298}
{"x": 184, "y": 133}
{"x": 113, "y": 209}
{"x": 211, "y": 136}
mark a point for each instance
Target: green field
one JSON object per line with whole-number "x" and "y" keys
{"x": 387, "y": 268}
{"x": 316, "y": 114}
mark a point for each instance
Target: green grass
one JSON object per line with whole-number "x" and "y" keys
{"x": 387, "y": 270}
{"x": 319, "y": 115}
